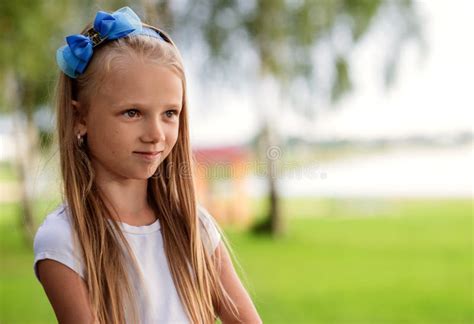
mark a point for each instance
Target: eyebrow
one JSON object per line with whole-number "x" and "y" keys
{"x": 134, "y": 104}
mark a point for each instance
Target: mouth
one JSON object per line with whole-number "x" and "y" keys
{"x": 148, "y": 152}
{"x": 148, "y": 155}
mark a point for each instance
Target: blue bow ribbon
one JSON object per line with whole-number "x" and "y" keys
{"x": 74, "y": 57}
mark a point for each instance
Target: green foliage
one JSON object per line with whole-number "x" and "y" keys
{"x": 30, "y": 35}
{"x": 285, "y": 35}
{"x": 46, "y": 139}
{"x": 343, "y": 84}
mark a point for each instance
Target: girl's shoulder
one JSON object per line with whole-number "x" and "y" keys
{"x": 55, "y": 226}
{"x": 211, "y": 236}
{"x": 54, "y": 240}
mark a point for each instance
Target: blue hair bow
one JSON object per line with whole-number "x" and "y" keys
{"x": 74, "y": 57}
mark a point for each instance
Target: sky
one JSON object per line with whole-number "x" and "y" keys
{"x": 432, "y": 94}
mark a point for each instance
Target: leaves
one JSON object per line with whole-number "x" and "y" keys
{"x": 30, "y": 34}
{"x": 286, "y": 34}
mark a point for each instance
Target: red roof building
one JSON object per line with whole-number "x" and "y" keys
{"x": 221, "y": 175}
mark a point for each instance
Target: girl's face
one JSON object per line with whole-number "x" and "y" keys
{"x": 133, "y": 121}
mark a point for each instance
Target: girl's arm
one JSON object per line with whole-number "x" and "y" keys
{"x": 231, "y": 282}
{"x": 66, "y": 291}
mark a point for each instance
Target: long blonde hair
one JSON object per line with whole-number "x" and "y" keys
{"x": 171, "y": 195}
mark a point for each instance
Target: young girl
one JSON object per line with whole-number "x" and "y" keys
{"x": 130, "y": 243}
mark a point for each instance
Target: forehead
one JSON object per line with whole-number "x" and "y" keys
{"x": 141, "y": 81}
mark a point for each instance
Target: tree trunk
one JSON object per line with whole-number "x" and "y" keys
{"x": 26, "y": 139}
{"x": 26, "y": 157}
{"x": 273, "y": 155}
{"x": 273, "y": 224}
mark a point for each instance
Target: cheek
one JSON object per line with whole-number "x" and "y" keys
{"x": 172, "y": 136}
{"x": 107, "y": 139}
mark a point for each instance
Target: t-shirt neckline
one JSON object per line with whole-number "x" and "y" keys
{"x": 144, "y": 229}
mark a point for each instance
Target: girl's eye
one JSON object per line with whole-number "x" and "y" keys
{"x": 131, "y": 113}
{"x": 171, "y": 113}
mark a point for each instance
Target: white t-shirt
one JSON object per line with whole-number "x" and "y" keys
{"x": 159, "y": 301}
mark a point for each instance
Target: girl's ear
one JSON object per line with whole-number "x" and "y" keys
{"x": 80, "y": 126}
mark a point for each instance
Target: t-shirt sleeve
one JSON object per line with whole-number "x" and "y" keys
{"x": 54, "y": 240}
{"x": 211, "y": 236}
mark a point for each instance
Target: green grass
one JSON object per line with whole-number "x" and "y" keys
{"x": 22, "y": 299}
{"x": 352, "y": 261}
{"x": 414, "y": 265}
{"x": 7, "y": 172}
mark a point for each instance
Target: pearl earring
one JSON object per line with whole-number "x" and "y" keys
{"x": 80, "y": 140}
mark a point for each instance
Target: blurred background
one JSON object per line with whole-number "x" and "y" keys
{"x": 333, "y": 142}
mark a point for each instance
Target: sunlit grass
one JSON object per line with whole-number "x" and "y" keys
{"x": 413, "y": 264}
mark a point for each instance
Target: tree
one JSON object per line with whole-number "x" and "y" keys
{"x": 30, "y": 33}
{"x": 285, "y": 37}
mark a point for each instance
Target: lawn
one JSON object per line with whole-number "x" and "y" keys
{"x": 398, "y": 261}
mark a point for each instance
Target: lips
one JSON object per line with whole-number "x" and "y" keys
{"x": 151, "y": 153}
{"x": 148, "y": 155}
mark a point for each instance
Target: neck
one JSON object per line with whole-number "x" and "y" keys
{"x": 126, "y": 198}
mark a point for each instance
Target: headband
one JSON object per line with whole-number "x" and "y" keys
{"x": 73, "y": 58}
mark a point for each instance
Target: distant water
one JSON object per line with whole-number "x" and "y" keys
{"x": 404, "y": 172}
{"x": 418, "y": 172}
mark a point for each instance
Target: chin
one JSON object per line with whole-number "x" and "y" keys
{"x": 139, "y": 175}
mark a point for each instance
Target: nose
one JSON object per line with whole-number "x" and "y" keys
{"x": 153, "y": 131}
